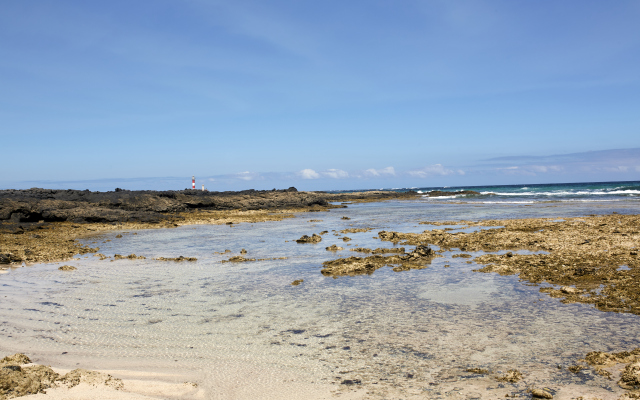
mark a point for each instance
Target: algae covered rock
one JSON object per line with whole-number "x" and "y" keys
{"x": 237, "y": 259}
{"x": 315, "y": 238}
{"x": 176, "y": 259}
{"x": 541, "y": 394}
{"x": 630, "y": 378}
{"x": 16, "y": 359}
{"x": 17, "y": 381}
{"x": 512, "y": 376}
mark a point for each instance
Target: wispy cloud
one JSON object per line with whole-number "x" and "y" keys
{"x": 591, "y": 162}
{"x": 431, "y": 170}
{"x": 388, "y": 171}
{"x": 247, "y": 176}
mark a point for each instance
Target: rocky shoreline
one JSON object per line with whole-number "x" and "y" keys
{"x": 591, "y": 260}
{"x": 42, "y": 225}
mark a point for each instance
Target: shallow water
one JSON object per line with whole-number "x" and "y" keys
{"x": 403, "y": 330}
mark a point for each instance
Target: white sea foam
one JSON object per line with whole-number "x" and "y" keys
{"x": 439, "y": 197}
{"x": 568, "y": 193}
{"x": 509, "y": 202}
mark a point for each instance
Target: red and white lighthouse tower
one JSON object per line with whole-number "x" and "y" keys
{"x": 193, "y": 182}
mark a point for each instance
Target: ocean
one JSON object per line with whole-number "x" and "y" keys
{"x": 396, "y": 333}
{"x": 586, "y": 192}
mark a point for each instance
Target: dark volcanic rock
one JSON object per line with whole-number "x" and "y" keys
{"x": 48, "y": 205}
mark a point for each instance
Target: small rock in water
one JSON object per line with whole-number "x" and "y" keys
{"x": 512, "y": 376}
{"x": 67, "y": 268}
{"x": 481, "y": 371}
{"x": 310, "y": 239}
{"x": 297, "y": 282}
{"x": 176, "y": 259}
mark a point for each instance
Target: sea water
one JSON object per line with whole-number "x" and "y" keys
{"x": 407, "y": 330}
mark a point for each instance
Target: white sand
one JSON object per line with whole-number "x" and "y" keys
{"x": 229, "y": 383}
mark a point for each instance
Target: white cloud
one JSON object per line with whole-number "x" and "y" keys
{"x": 430, "y": 170}
{"x": 335, "y": 173}
{"x": 544, "y": 168}
{"x": 247, "y": 176}
{"x": 378, "y": 172}
{"x": 309, "y": 174}
{"x": 619, "y": 168}
{"x": 538, "y": 168}
{"x": 515, "y": 170}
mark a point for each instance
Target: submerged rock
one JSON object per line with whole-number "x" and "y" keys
{"x": 421, "y": 251}
{"x": 238, "y": 259}
{"x": 67, "y": 268}
{"x": 461, "y": 256}
{"x": 389, "y": 236}
{"x": 129, "y": 257}
{"x": 630, "y": 377}
{"x": 176, "y": 259}
{"x": 417, "y": 259}
{"x": 512, "y": 376}
{"x": 349, "y": 266}
{"x": 333, "y": 247}
{"x": 541, "y": 394}
{"x": 480, "y": 371}
{"x": 356, "y": 230}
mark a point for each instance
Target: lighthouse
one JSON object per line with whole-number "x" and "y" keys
{"x": 193, "y": 182}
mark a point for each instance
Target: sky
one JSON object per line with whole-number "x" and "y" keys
{"x": 317, "y": 95}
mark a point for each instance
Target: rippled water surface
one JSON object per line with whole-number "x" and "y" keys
{"x": 401, "y": 329}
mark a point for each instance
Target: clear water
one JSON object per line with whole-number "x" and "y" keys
{"x": 149, "y": 314}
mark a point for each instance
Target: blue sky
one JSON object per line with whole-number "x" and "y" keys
{"x": 317, "y": 95}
